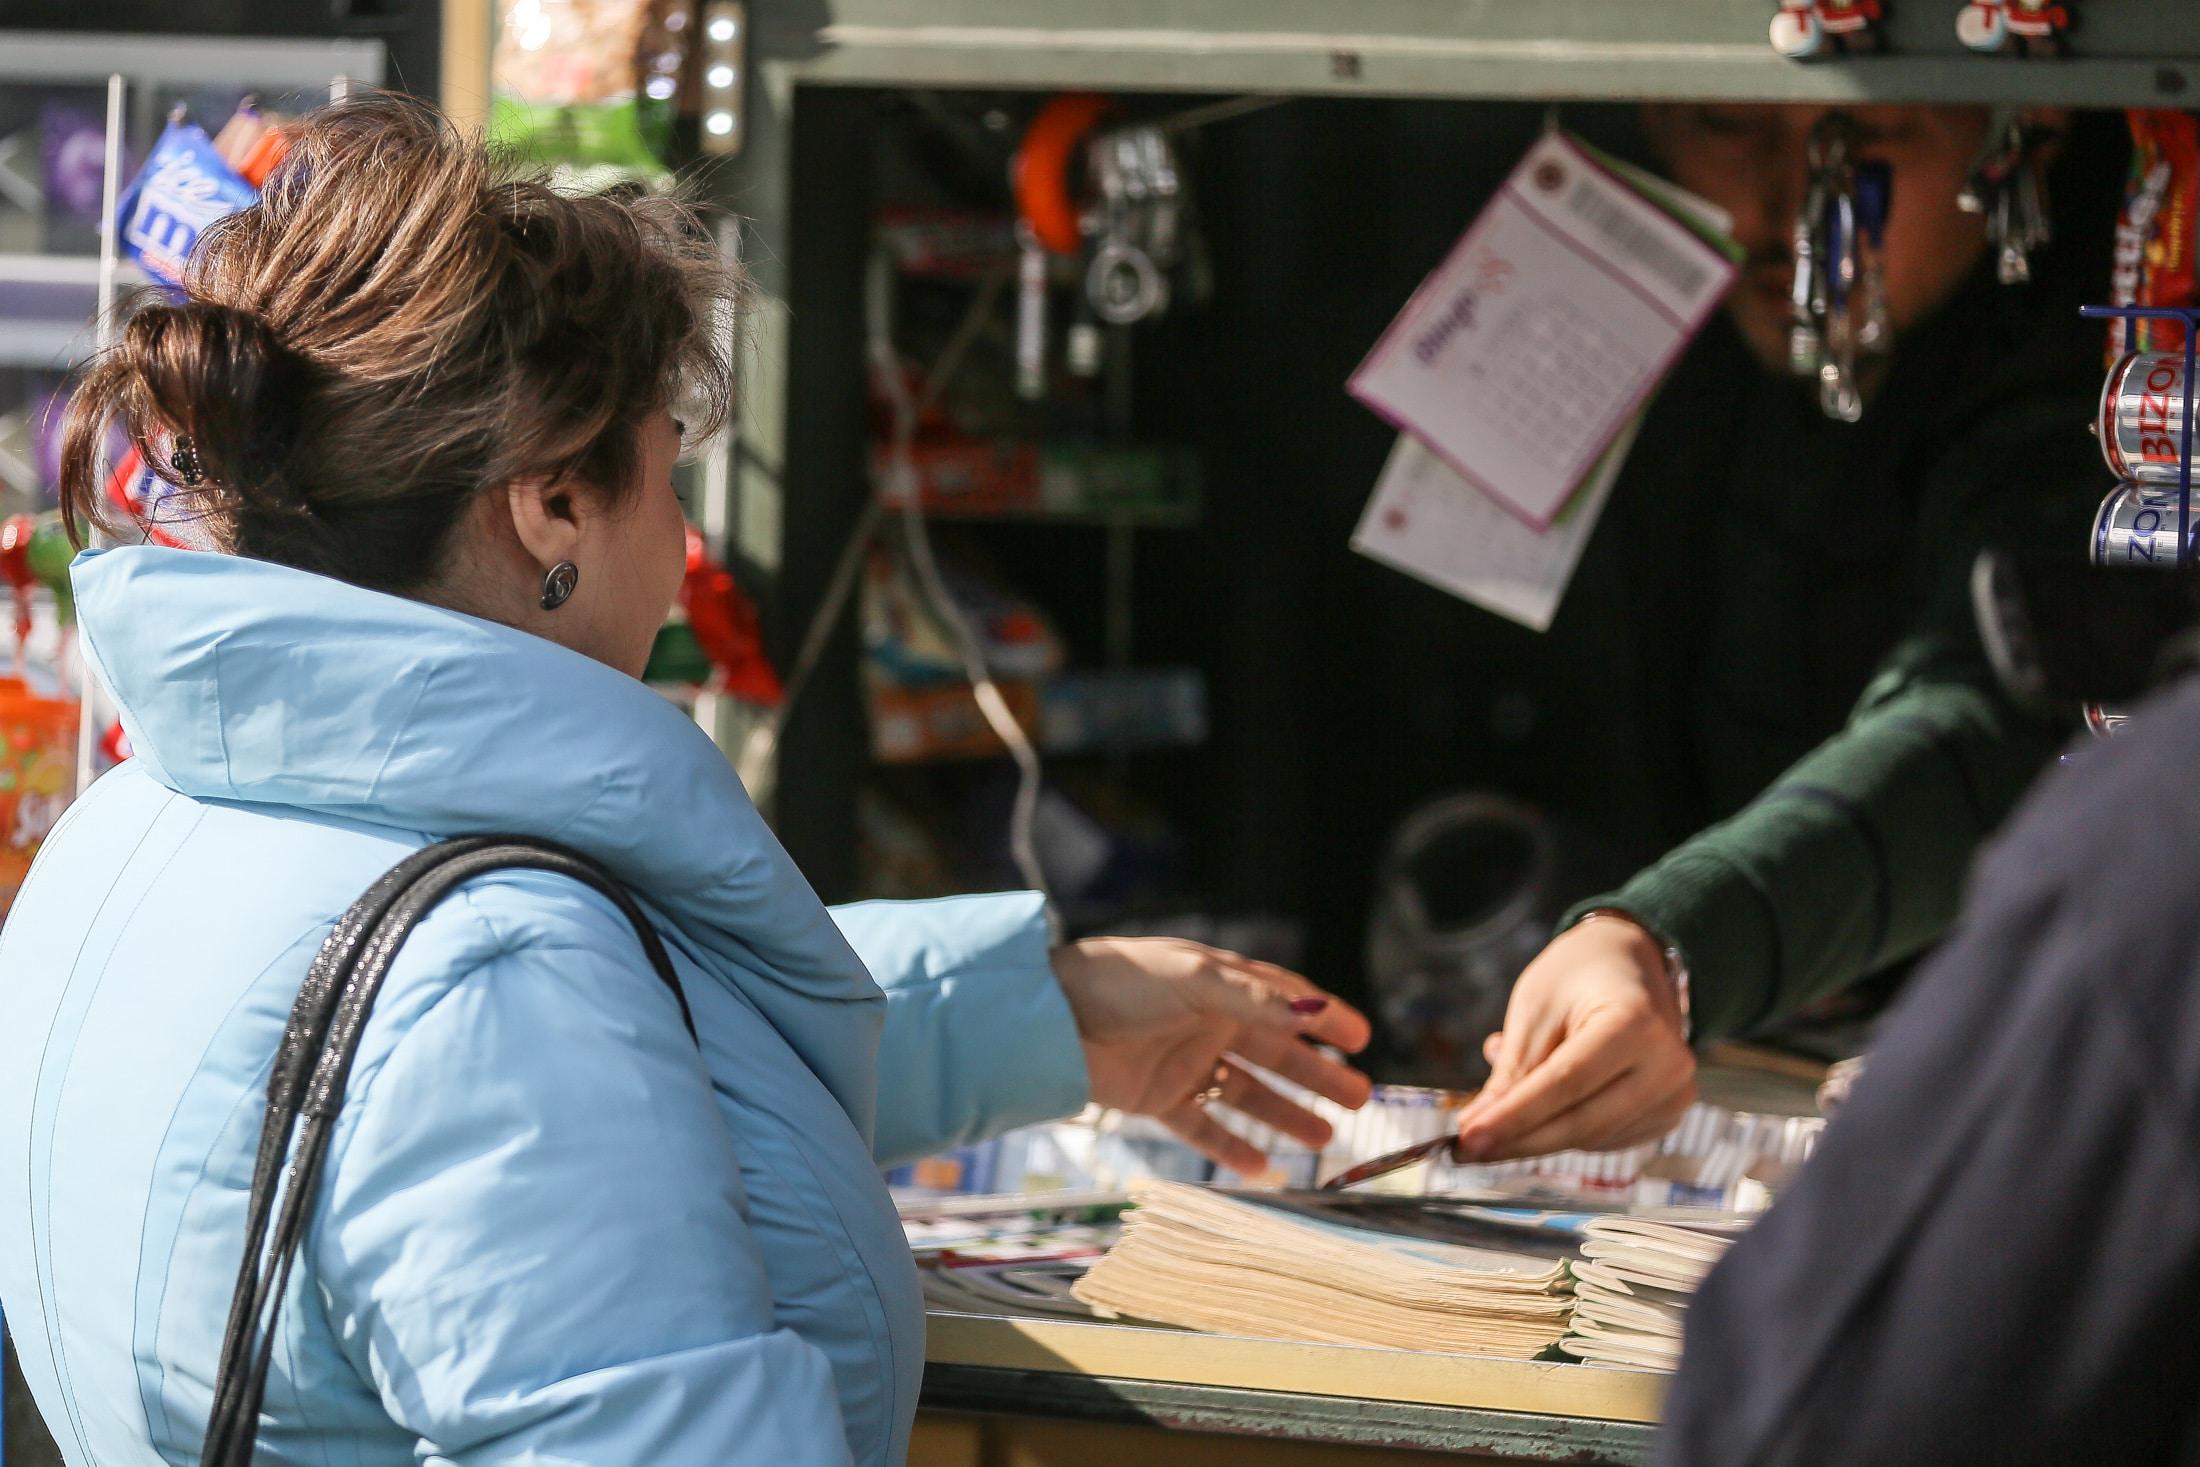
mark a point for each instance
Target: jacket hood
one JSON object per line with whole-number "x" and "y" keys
{"x": 242, "y": 680}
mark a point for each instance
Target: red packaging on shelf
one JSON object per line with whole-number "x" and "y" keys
{"x": 2154, "y": 234}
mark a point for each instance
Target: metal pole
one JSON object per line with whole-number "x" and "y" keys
{"x": 87, "y": 707}
{"x": 2184, "y": 441}
{"x": 2184, "y": 451}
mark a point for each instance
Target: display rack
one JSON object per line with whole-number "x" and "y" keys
{"x": 48, "y": 301}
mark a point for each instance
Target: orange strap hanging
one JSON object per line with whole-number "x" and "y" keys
{"x": 1043, "y": 197}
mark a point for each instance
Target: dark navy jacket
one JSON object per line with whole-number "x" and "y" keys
{"x": 1995, "y": 1255}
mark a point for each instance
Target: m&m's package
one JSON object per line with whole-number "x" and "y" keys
{"x": 2154, "y": 233}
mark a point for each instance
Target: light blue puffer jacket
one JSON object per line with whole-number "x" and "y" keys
{"x": 551, "y": 1232}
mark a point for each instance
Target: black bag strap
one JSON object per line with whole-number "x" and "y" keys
{"x": 307, "y": 1088}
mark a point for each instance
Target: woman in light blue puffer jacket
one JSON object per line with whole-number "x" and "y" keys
{"x": 413, "y": 398}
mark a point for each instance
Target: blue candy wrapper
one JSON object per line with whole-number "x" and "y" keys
{"x": 183, "y": 188}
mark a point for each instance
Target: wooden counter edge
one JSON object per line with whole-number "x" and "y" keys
{"x": 1135, "y": 1353}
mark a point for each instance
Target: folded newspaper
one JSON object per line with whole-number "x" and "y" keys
{"x": 1326, "y": 1268}
{"x": 1632, "y": 1286}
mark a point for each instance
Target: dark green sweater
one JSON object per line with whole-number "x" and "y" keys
{"x": 1805, "y": 652}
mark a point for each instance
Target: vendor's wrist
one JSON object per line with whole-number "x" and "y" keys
{"x": 1657, "y": 953}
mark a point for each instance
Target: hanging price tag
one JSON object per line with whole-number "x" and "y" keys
{"x": 1428, "y": 522}
{"x": 1520, "y": 359}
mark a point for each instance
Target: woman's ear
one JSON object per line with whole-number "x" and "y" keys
{"x": 548, "y": 517}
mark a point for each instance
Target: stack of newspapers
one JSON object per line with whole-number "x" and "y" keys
{"x": 1438, "y": 1274}
{"x": 1632, "y": 1285}
{"x": 1335, "y": 1269}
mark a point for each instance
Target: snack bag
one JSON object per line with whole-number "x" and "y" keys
{"x": 37, "y": 776}
{"x": 592, "y": 82}
{"x": 184, "y": 187}
{"x": 2153, "y": 261}
{"x": 252, "y": 143}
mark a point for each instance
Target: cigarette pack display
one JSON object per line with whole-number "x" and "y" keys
{"x": 1124, "y": 711}
{"x": 919, "y": 725}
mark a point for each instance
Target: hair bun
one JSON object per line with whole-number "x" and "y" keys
{"x": 218, "y": 375}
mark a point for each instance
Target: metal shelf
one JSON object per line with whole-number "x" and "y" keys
{"x": 2127, "y": 53}
{"x": 46, "y": 307}
{"x": 46, "y": 269}
{"x": 65, "y": 56}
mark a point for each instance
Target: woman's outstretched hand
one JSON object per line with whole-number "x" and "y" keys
{"x": 1166, "y": 1022}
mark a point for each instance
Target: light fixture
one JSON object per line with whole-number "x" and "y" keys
{"x": 725, "y": 37}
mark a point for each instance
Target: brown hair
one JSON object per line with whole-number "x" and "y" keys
{"x": 400, "y": 323}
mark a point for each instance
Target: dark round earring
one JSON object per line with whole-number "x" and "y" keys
{"x": 557, "y": 586}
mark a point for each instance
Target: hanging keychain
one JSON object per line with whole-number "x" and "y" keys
{"x": 1047, "y": 221}
{"x": 1806, "y": 345}
{"x": 1839, "y": 244}
{"x": 1125, "y": 222}
{"x": 1134, "y": 225}
{"x": 2006, "y": 187}
{"x": 1874, "y": 201}
{"x": 1837, "y": 392}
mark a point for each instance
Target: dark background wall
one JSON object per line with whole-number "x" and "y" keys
{"x": 1343, "y": 693}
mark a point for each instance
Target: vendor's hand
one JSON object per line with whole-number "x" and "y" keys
{"x": 1592, "y": 1056}
{"x": 1164, "y": 1022}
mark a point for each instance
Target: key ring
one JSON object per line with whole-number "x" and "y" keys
{"x": 1124, "y": 285}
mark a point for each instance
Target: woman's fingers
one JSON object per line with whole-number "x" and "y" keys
{"x": 1335, "y": 1022}
{"x": 1276, "y": 1013}
{"x": 1305, "y": 1066}
{"x": 1262, "y": 996}
{"x": 1204, "y": 1133}
{"x": 1244, "y": 1093}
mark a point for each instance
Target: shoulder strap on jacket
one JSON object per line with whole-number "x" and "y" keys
{"x": 306, "y": 1089}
